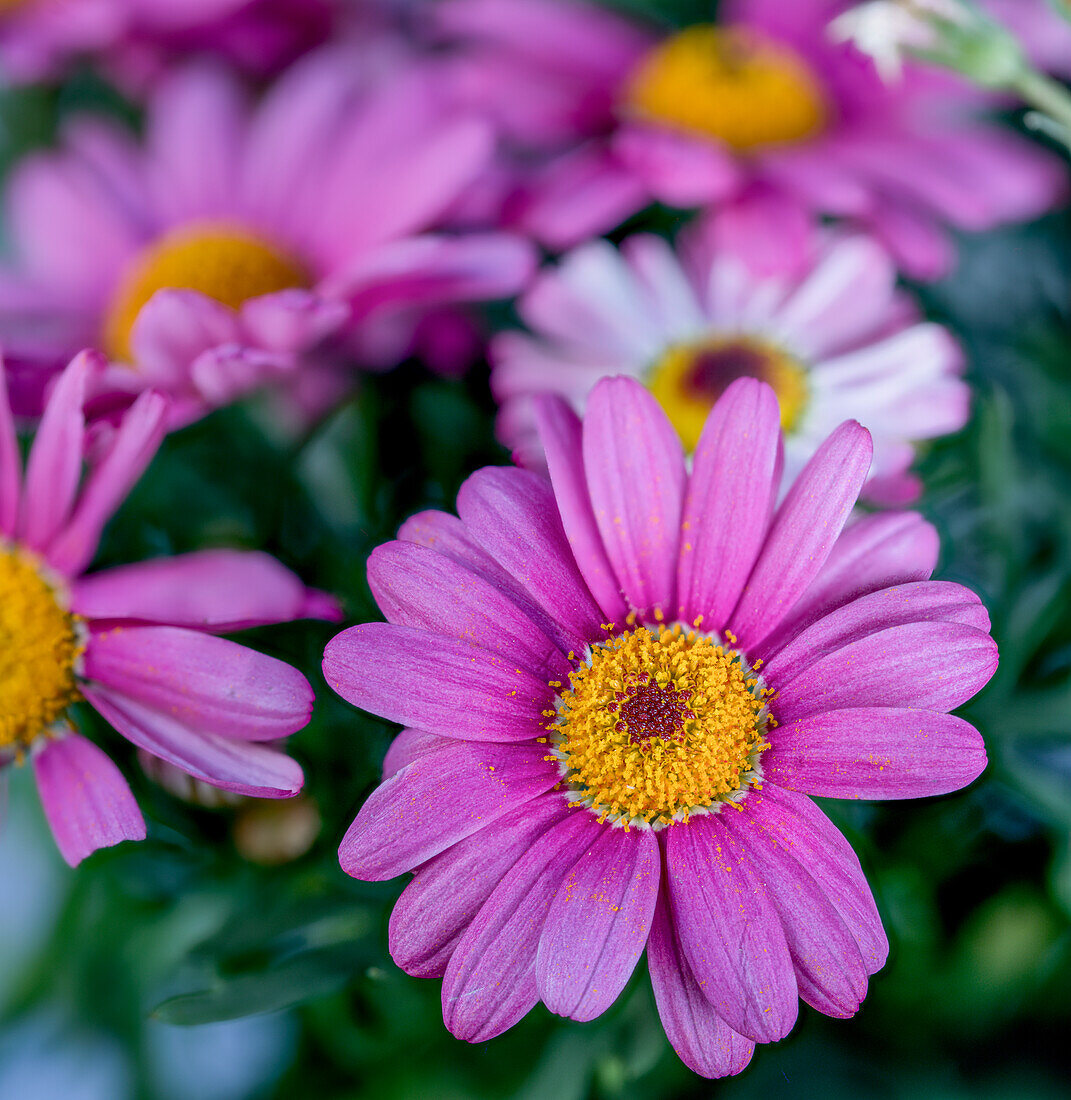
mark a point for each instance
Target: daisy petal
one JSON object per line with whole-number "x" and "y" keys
{"x": 514, "y": 517}
{"x": 803, "y": 532}
{"x": 829, "y": 968}
{"x": 435, "y": 801}
{"x": 417, "y": 587}
{"x": 561, "y": 434}
{"x": 636, "y": 477}
{"x": 921, "y": 601}
{"x": 727, "y": 507}
{"x": 930, "y": 666}
{"x": 704, "y": 1042}
{"x": 451, "y": 687}
{"x": 597, "y": 925}
{"x": 876, "y": 752}
{"x": 448, "y": 891}
{"x": 730, "y": 931}
{"x": 86, "y": 799}
{"x": 240, "y": 766}
{"x": 201, "y": 681}
{"x": 490, "y": 982}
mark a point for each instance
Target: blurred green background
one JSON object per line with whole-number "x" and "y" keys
{"x": 182, "y": 968}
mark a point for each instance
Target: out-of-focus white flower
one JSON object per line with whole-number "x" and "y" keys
{"x": 887, "y": 29}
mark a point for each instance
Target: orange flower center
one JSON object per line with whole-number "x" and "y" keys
{"x": 689, "y": 378}
{"x": 39, "y": 645}
{"x": 659, "y": 724}
{"x": 731, "y": 84}
{"x": 223, "y": 262}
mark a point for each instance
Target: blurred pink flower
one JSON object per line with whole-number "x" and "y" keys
{"x": 135, "y": 642}
{"x": 232, "y": 245}
{"x": 621, "y": 686}
{"x": 135, "y": 40}
{"x": 815, "y": 313}
{"x": 706, "y": 114}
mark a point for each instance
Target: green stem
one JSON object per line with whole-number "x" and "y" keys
{"x": 1048, "y": 96}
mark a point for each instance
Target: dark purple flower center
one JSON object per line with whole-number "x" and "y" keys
{"x": 648, "y": 710}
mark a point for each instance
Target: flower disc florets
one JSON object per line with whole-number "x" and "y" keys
{"x": 660, "y": 723}
{"x": 40, "y": 643}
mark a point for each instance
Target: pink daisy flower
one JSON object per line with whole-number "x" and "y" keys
{"x": 620, "y": 688}
{"x": 234, "y": 246}
{"x": 833, "y": 336}
{"x": 136, "y": 642}
{"x": 708, "y": 114}
{"x": 136, "y": 39}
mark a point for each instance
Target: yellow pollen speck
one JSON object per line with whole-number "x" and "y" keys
{"x": 731, "y": 84}
{"x": 689, "y": 378}
{"x": 658, "y": 724}
{"x": 39, "y": 645}
{"x": 221, "y": 261}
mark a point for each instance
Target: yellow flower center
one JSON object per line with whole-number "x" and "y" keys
{"x": 731, "y": 84}
{"x": 39, "y": 645}
{"x": 689, "y": 378}
{"x": 658, "y": 724}
{"x": 221, "y": 261}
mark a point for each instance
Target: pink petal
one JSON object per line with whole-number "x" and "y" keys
{"x": 435, "y": 269}
{"x": 829, "y": 967}
{"x": 873, "y": 553}
{"x": 805, "y": 833}
{"x": 86, "y": 799}
{"x": 438, "y": 800}
{"x": 10, "y": 462}
{"x": 597, "y": 925}
{"x": 729, "y": 930}
{"x": 240, "y": 766}
{"x": 448, "y": 891}
{"x": 411, "y": 745}
{"x": 136, "y": 442}
{"x": 513, "y": 515}
{"x": 54, "y": 468}
{"x": 490, "y": 982}
{"x": 929, "y": 666}
{"x": 704, "y": 1042}
{"x": 677, "y": 168}
{"x": 876, "y": 752}
{"x": 920, "y": 601}
{"x": 451, "y": 687}
{"x": 416, "y": 587}
{"x": 636, "y": 477}
{"x": 803, "y": 532}
{"x": 561, "y": 434}
{"x": 447, "y": 535}
{"x": 580, "y": 194}
{"x": 730, "y": 496}
{"x": 217, "y": 590}
{"x": 201, "y": 681}
{"x": 292, "y": 320}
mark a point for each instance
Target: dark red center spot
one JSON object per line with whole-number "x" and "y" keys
{"x": 713, "y": 369}
{"x": 647, "y": 710}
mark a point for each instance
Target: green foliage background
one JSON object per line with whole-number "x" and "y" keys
{"x": 131, "y": 962}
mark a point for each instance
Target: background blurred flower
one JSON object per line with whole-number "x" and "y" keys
{"x": 135, "y": 39}
{"x": 136, "y": 642}
{"x": 580, "y": 780}
{"x": 763, "y": 97}
{"x": 816, "y": 315}
{"x": 235, "y": 246}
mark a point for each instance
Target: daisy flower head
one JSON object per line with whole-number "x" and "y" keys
{"x": 237, "y": 244}
{"x": 765, "y": 97}
{"x": 831, "y": 333}
{"x": 620, "y": 686}
{"x": 136, "y": 39}
{"x": 137, "y": 643}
